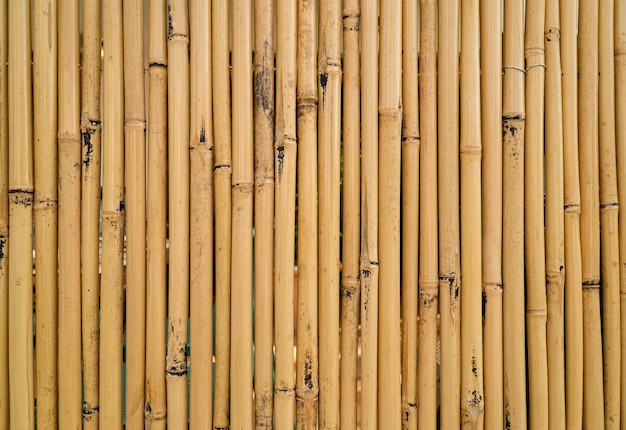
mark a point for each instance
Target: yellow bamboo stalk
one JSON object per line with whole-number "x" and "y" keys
{"x": 448, "y": 198}
{"x": 554, "y": 221}
{"x": 113, "y": 213}
{"x": 609, "y": 218}
{"x": 593, "y": 398}
{"x": 4, "y": 217}
{"x": 20, "y": 191}
{"x": 45, "y": 210}
{"x": 69, "y": 145}
{"x": 90, "y": 209}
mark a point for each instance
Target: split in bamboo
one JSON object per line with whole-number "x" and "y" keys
{"x": 4, "y": 216}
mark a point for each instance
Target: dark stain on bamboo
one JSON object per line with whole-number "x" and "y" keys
{"x": 263, "y": 85}
{"x": 280, "y": 156}
{"x": 21, "y": 196}
{"x": 170, "y": 25}
{"x": 89, "y": 412}
{"x": 87, "y": 144}
{"x": 157, "y": 64}
{"x": 3, "y": 243}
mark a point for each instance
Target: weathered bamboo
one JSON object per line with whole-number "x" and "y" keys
{"x": 554, "y": 221}
{"x": 20, "y": 191}
{"x": 307, "y": 387}
{"x": 609, "y": 218}
{"x": 4, "y": 217}
{"x": 156, "y": 297}
{"x": 593, "y": 398}
{"x": 111, "y": 296}
{"x": 449, "y": 228}
{"x": 69, "y": 146}
{"x": 45, "y": 210}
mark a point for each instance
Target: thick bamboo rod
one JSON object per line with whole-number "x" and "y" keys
{"x": 593, "y": 398}
{"x": 69, "y": 146}
{"x": 45, "y": 210}
{"x": 4, "y": 217}
{"x": 554, "y": 221}
{"x": 609, "y": 218}
{"x": 111, "y": 296}
{"x": 448, "y": 200}
{"x": 20, "y": 191}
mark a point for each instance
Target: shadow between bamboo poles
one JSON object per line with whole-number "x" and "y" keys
{"x": 410, "y": 211}
{"x": 428, "y": 222}
{"x": 69, "y": 146}
{"x": 4, "y": 216}
{"x": 45, "y": 210}
{"x": 448, "y": 201}
{"x": 90, "y": 209}
{"x": 264, "y": 218}
{"x": 21, "y": 390}
{"x": 593, "y": 398}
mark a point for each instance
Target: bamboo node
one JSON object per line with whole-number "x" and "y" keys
{"x": 572, "y": 208}
{"x": 89, "y": 412}
{"x": 536, "y": 312}
{"x": 287, "y": 392}
{"x": 609, "y": 206}
{"x": 157, "y": 64}
{"x": 591, "y": 285}
{"x": 492, "y": 287}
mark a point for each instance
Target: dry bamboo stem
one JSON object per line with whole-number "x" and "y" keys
{"x": 448, "y": 197}
{"x": 45, "y": 210}
{"x": 428, "y": 245}
{"x": 554, "y": 221}
{"x": 4, "y": 218}
{"x": 593, "y": 399}
{"x": 609, "y": 218}
{"x": 69, "y": 146}
{"x": 21, "y": 389}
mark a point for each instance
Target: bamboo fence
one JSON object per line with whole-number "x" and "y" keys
{"x": 309, "y": 214}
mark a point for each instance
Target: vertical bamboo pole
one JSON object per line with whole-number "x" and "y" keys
{"x": 609, "y": 218}
{"x": 45, "y": 210}
{"x": 593, "y": 398}
{"x": 21, "y": 388}
{"x": 4, "y": 217}
{"x": 448, "y": 200}
{"x": 428, "y": 245}
{"x": 571, "y": 201}
{"x": 554, "y": 221}
{"x": 111, "y": 299}
{"x": 69, "y": 146}
{"x": 264, "y": 217}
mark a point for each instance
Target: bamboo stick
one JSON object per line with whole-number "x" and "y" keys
{"x": 4, "y": 217}
{"x": 45, "y": 210}
{"x": 428, "y": 245}
{"x": 593, "y": 398}
{"x": 554, "y": 221}
{"x": 449, "y": 228}
{"x": 113, "y": 214}
{"x": 20, "y": 191}
{"x": 90, "y": 209}
{"x": 609, "y": 218}
{"x": 69, "y": 146}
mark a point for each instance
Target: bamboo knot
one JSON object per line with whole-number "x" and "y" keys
{"x": 135, "y": 122}
{"x": 492, "y": 287}
{"x": 286, "y": 392}
{"x": 572, "y": 208}
{"x": 178, "y": 37}
{"x": 65, "y": 138}
{"x": 536, "y": 312}
{"x": 591, "y": 285}
{"x": 609, "y": 207}
{"x": 43, "y": 204}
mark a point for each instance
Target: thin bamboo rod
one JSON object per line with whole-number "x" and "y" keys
{"x": 69, "y": 146}
{"x": 20, "y": 191}
{"x": 113, "y": 213}
{"x": 609, "y": 218}
{"x": 593, "y": 398}
{"x": 4, "y": 217}
{"x": 45, "y": 210}
{"x": 448, "y": 200}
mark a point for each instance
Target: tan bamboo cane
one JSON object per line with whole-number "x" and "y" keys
{"x": 609, "y": 218}
{"x": 264, "y": 217}
{"x": 90, "y": 208}
{"x": 554, "y": 221}
{"x": 69, "y": 146}
{"x": 593, "y": 398}
{"x": 113, "y": 214}
{"x": 45, "y": 210}
{"x": 410, "y": 212}
{"x": 4, "y": 217}
{"x": 21, "y": 377}
{"x": 428, "y": 222}
{"x": 491, "y": 106}
{"x": 307, "y": 387}
{"x": 571, "y": 201}
{"x": 222, "y": 180}
{"x": 448, "y": 200}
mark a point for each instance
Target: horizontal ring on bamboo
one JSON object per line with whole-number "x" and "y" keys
{"x": 536, "y": 312}
{"x": 492, "y": 287}
{"x": 591, "y": 285}
{"x": 287, "y": 392}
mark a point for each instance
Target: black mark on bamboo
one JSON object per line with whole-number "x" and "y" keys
{"x": 89, "y": 412}
{"x": 21, "y": 196}
{"x": 474, "y": 368}
{"x": 280, "y": 156}
{"x": 157, "y": 64}
{"x": 170, "y": 24}
{"x": 3, "y": 243}
{"x": 308, "y": 372}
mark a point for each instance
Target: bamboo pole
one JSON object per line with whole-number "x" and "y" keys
{"x": 90, "y": 209}
{"x": 45, "y": 210}
{"x": 4, "y": 217}
{"x": 449, "y": 228}
{"x": 113, "y": 213}
{"x": 428, "y": 245}
{"x": 593, "y": 398}
{"x": 264, "y": 217}
{"x": 21, "y": 388}
{"x": 554, "y": 221}
{"x": 609, "y": 218}
{"x": 69, "y": 146}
